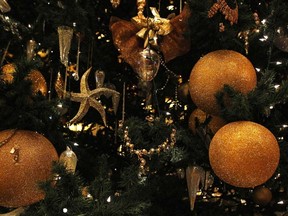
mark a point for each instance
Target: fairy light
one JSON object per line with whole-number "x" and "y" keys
{"x": 65, "y": 210}
{"x": 109, "y": 199}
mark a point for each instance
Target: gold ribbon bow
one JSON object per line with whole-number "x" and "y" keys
{"x": 151, "y": 27}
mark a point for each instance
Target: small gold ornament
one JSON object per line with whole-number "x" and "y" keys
{"x": 244, "y": 154}
{"x": 88, "y": 98}
{"x": 69, "y": 159}
{"x": 262, "y": 195}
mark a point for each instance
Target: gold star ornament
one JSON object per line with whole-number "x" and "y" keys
{"x": 89, "y": 98}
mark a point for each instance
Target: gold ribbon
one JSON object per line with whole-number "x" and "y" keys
{"x": 151, "y": 27}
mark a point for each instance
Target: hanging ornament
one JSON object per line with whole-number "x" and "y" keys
{"x": 99, "y": 78}
{"x": 65, "y": 34}
{"x": 144, "y": 153}
{"x": 129, "y": 36}
{"x": 115, "y": 3}
{"x": 30, "y": 49}
{"x": 216, "y": 69}
{"x": 281, "y": 39}
{"x": 244, "y": 154}
{"x": 194, "y": 176}
{"x": 4, "y": 6}
{"x": 148, "y": 64}
{"x": 262, "y": 195}
{"x": 59, "y": 85}
{"x": 88, "y": 98}
{"x": 230, "y": 14}
{"x": 69, "y": 159}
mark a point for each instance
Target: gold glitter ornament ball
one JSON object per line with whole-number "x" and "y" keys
{"x": 262, "y": 195}
{"x": 199, "y": 117}
{"x": 216, "y": 69}
{"x": 25, "y": 159}
{"x": 244, "y": 154}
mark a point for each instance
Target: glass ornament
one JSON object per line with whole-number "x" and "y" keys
{"x": 65, "y": 34}
{"x": 69, "y": 159}
{"x": 30, "y": 49}
{"x": 194, "y": 176}
{"x": 99, "y": 78}
{"x": 281, "y": 39}
{"x": 148, "y": 64}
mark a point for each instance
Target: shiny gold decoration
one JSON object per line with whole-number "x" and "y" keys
{"x": 43, "y": 53}
{"x": 230, "y": 14}
{"x": 141, "y": 153}
{"x": 172, "y": 45}
{"x": 216, "y": 69}
{"x": 198, "y": 117}
{"x": 59, "y": 85}
{"x": 88, "y": 98}
{"x": 69, "y": 159}
{"x": 38, "y": 82}
{"x": 19, "y": 177}
{"x": 262, "y": 195}
{"x": 7, "y": 72}
{"x": 150, "y": 28}
{"x": 244, "y": 154}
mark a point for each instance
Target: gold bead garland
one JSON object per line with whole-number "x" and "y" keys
{"x": 167, "y": 144}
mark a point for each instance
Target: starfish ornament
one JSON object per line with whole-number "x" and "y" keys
{"x": 88, "y": 98}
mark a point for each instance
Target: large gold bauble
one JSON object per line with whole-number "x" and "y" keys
{"x": 216, "y": 69}
{"x": 38, "y": 81}
{"x": 262, "y": 195}
{"x": 199, "y": 117}
{"x": 244, "y": 154}
{"x": 25, "y": 159}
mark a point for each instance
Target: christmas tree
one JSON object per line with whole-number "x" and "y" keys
{"x": 143, "y": 107}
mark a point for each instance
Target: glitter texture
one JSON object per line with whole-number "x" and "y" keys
{"x": 216, "y": 69}
{"x": 19, "y": 178}
{"x": 244, "y": 154}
